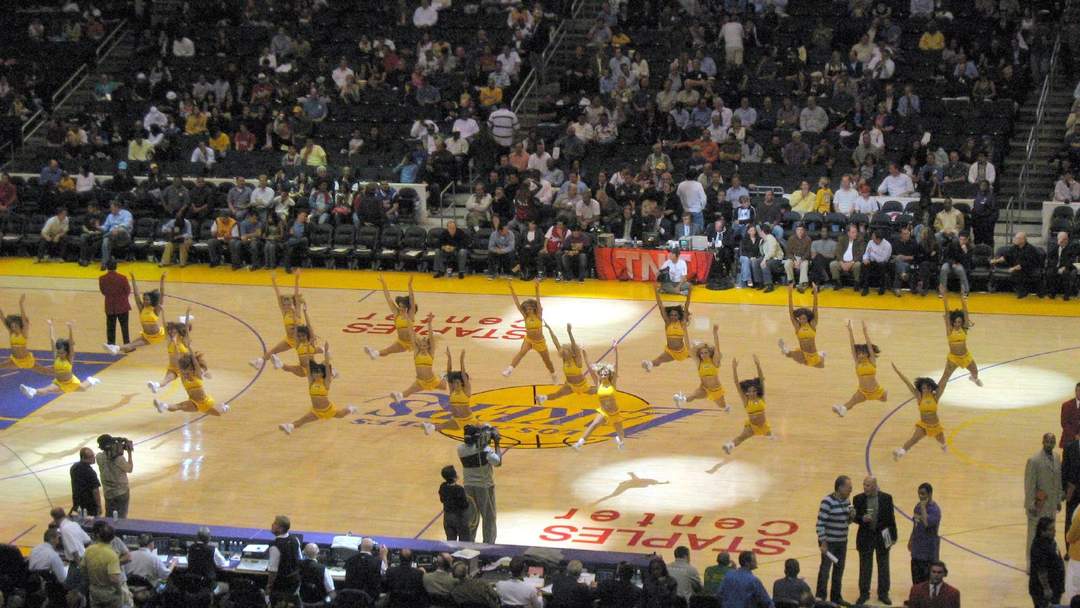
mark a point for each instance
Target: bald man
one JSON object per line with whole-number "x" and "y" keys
{"x": 85, "y": 486}
{"x": 1024, "y": 265}
{"x": 1060, "y": 272}
{"x": 1042, "y": 486}
{"x": 877, "y": 532}
{"x": 315, "y": 582}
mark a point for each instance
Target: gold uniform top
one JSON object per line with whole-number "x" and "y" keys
{"x": 423, "y": 360}
{"x": 459, "y": 405}
{"x": 318, "y": 388}
{"x": 958, "y": 337}
{"x": 175, "y": 350}
{"x": 755, "y": 406}
{"x": 865, "y": 368}
{"x": 928, "y": 405}
{"x": 27, "y": 361}
{"x": 706, "y": 369}
{"x": 305, "y": 349}
{"x": 805, "y": 332}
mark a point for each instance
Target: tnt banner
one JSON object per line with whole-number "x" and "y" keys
{"x": 626, "y": 264}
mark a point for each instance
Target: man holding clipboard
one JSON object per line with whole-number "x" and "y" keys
{"x": 877, "y": 532}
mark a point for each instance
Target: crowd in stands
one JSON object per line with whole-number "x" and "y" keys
{"x": 1067, "y": 189}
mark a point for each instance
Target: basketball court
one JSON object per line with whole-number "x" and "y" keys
{"x": 376, "y": 473}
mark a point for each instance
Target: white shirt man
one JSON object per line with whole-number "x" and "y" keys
{"x": 203, "y": 155}
{"x": 845, "y": 197}
{"x": 467, "y": 126}
{"x": 504, "y": 124}
{"x": 45, "y": 557}
{"x": 426, "y": 15}
{"x": 692, "y": 196}
{"x": 676, "y": 270}
{"x": 341, "y": 74}
{"x": 74, "y": 539}
{"x": 145, "y": 563}
{"x": 538, "y": 160}
{"x": 896, "y": 183}
{"x": 865, "y": 205}
{"x": 984, "y": 168}
{"x": 587, "y": 210}
{"x": 510, "y": 61}
{"x": 183, "y": 47}
{"x": 262, "y": 197}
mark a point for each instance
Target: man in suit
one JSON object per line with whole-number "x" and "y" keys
{"x": 405, "y": 584}
{"x": 1042, "y": 486}
{"x": 628, "y": 225}
{"x": 1070, "y": 474}
{"x": 848, "y": 255}
{"x": 935, "y": 593}
{"x": 686, "y": 228}
{"x": 722, "y": 242}
{"x": 364, "y": 570}
{"x": 874, "y": 515}
{"x": 1060, "y": 273}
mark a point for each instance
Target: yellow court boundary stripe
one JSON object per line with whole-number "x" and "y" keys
{"x": 322, "y": 278}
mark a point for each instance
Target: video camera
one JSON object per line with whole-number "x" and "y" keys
{"x": 115, "y": 446}
{"x": 482, "y": 436}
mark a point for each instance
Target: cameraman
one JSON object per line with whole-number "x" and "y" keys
{"x": 114, "y": 463}
{"x": 478, "y": 459}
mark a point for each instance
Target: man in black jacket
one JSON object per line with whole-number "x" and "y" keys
{"x": 453, "y": 244}
{"x": 283, "y": 569}
{"x": 315, "y": 581}
{"x": 364, "y": 570}
{"x": 1060, "y": 273}
{"x": 876, "y": 520}
{"x": 619, "y": 591}
{"x": 722, "y": 243}
{"x": 1024, "y": 264}
{"x": 567, "y": 592}
{"x": 405, "y": 584}
{"x": 628, "y": 225}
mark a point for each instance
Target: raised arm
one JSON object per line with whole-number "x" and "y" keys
{"x": 52, "y": 334}
{"x": 760, "y": 374}
{"x": 573, "y": 343}
{"x": 161, "y": 290}
{"x": 869, "y": 343}
{"x": 815, "y": 321}
{"x": 328, "y": 362}
{"x": 945, "y": 305}
{"x": 615, "y": 348}
{"x": 851, "y": 338}
{"x": 554, "y": 338}
{"x": 71, "y": 340}
{"x": 431, "y": 334}
{"x": 513, "y": 294}
{"x": 135, "y": 290}
{"x": 963, "y": 307}
{"x": 539, "y": 307}
{"x": 307, "y": 321}
{"x": 941, "y": 387}
{"x": 412, "y": 298}
{"x": 187, "y": 319}
{"x": 660, "y": 306}
{"x": 22, "y": 313}
{"x": 449, "y": 361}
{"x": 296, "y": 286}
{"x": 904, "y": 379}
{"x": 386, "y": 294}
{"x": 273, "y": 282}
{"x": 465, "y": 374}
{"x": 717, "y": 355}
{"x": 686, "y": 305}
{"x": 735, "y": 375}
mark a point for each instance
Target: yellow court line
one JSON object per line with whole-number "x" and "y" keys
{"x": 322, "y": 278}
{"x": 969, "y": 460}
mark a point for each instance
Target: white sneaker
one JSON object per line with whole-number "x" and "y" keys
{"x": 223, "y": 408}
{"x": 257, "y": 363}
{"x": 371, "y": 352}
{"x": 975, "y": 380}
{"x": 287, "y": 427}
{"x": 541, "y": 399}
{"x": 276, "y": 362}
{"x": 577, "y": 445}
{"x": 92, "y": 381}
{"x": 28, "y": 391}
{"x": 840, "y": 410}
{"x": 509, "y": 370}
{"x": 161, "y": 406}
{"x": 619, "y": 443}
{"x": 822, "y": 353}
{"x": 153, "y": 386}
{"x": 944, "y": 447}
{"x": 396, "y": 396}
{"x": 334, "y": 374}
{"x": 898, "y": 453}
{"x": 680, "y": 399}
{"x": 554, "y": 378}
{"x": 112, "y": 348}
{"x": 428, "y": 428}
{"x": 729, "y": 446}
{"x": 646, "y": 365}
{"x": 206, "y": 374}
{"x": 783, "y": 349}
{"x": 351, "y": 409}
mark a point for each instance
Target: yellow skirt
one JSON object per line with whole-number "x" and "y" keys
{"x": 463, "y": 422}
{"x": 961, "y": 361}
{"x": 714, "y": 394}
{"x": 154, "y": 338}
{"x": 932, "y": 430}
{"x": 539, "y": 346}
{"x": 70, "y": 386}
{"x": 678, "y": 355}
{"x": 325, "y": 413}
{"x": 759, "y": 429}
{"x": 205, "y": 404}
{"x": 27, "y": 362}
{"x": 406, "y": 344}
{"x": 610, "y": 417}
{"x": 429, "y": 384}
{"x": 811, "y": 359}
{"x": 874, "y": 395}
{"x": 579, "y": 388}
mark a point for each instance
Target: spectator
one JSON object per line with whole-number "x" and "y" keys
{"x": 685, "y": 574}
{"x": 203, "y": 155}
{"x": 471, "y": 591}
{"x": 984, "y": 215}
{"x": 791, "y": 589}
{"x": 1046, "y": 576}
{"x": 45, "y": 558}
{"x": 715, "y": 575}
{"x": 102, "y": 569}
{"x": 1024, "y": 264}
{"x": 796, "y": 153}
{"x": 813, "y": 117}
{"x": 1060, "y": 271}
{"x": 478, "y": 208}
{"x": 797, "y": 256}
{"x": 741, "y": 589}
{"x": 896, "y": 183}
{"x": 949, "y": 222}
{"x": 1066, "y": 189}
{"x": 73, "y": 538}
{"x": 176, "y": 232}
{"x": 283, "y": 563}
{"x": 50, "y": 174}
{"x": 981, "y": 170}
{"x": 574, "y": 252}
{"x": 822, "y": 254}
{"x": 501, "y": 249}
{"x": 568, "y": 592}
{"x": 223, "y": 232}
{"x": 803, "y": 200}
{"x": 847, "y": 257}
{"x": 313, "y": 155}
{"x": 934, "y": 592}
{"x": 503, "y": 124}
{"x": 9, "y": 194}
{"x": 515, "y": 591}
{"x": 659, "y": 589}
{"x": 85, "y": 496}
{"x": 296, "y": 241}
{"x": 550, "y": 254}
{"x": 439, "y": 583}
{"x": 834, "y": 517}
{"x": 875, "y": 263}
{"x": 404, "y": 583}
{"x": 686, "y": 228}
{"x": 316, "y": 584}
{"x": 925, "y": 541}
{"x": 452, "y": 242}
{"x": 144, "y": 563}
{"x": 53, "y": 235}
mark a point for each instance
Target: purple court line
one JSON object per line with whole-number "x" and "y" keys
{"x": 369, "y": 294}
{"x": 881, "y": 423}
{"x": 21, "y": 534}
{"x": 262, "y": 344}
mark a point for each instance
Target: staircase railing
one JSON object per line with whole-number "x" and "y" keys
{"x": 532, "y": 79}
{"x": 1017, "y": 203}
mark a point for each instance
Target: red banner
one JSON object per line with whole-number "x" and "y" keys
{"x": 625, "y": 264}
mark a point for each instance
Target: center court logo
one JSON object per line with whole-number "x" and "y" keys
{"x": 522, "y": 423}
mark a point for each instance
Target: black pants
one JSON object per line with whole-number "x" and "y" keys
{"x": 51, "y": 248}
{"x": 1040, "y": 601}
{"x": 819, "y": 270}
{"x": 547, "y": 262}
{"x": 1064, "y": 283}
{"x": 110, "y": 327}
{"x": 456, "y": 525}
{"x": 1025, "y": 282}
{"x": 500, "y": 263}
{"x": 920, "y": 571}
{"x": 527, "y": 259}
{"x": 928, "y": 273}
{"x": 866, "y": 568}
{"x": 87, "y": 244}
{"x": 839, "y": 550}
{"x": 875, "y": 270}
{"x": 983, "y": 229}
{"x": 294, "y": 249}
{"x": 569, "y": 260}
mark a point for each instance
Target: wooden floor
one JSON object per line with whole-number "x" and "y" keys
{"x": 376, "y": 472}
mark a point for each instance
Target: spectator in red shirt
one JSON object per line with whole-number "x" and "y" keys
{"x": 1070, "y": 418}
{"x": 244, "y": 140}
{"x": 8, "y": 194}
{"x": 117, "y": 291}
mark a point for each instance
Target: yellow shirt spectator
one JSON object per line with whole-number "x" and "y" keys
{"x": 140, "y": 150}
{"x": 620, "y": 39}
{"x": 102, "y": 567}
{"x": 803, "y": 203}
{"x": 490, "y": 95}
{"x": 823, "y": 200}
{"x": 66, "y": 184}
{"x": 221, "y": 143}
{"x": 932, "y": 41}
{"x": 314, "y": 156}
{"x": 195, "y": 123}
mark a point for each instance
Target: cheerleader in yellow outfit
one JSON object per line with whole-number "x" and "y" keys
{"x": 64, "y": 379}
{"x": 957, "y": 324}
{"x": 150, "y": 305}
{"x": 927, "y": 393}
{"x": 576, "y": 371}
{"x": 805, "y": 323}
{"x": 320, "y": 376}
{"x": 752, "y": 392}
{"x": 424, "y": 361}
{"x": 178, "y": 345}
{"x": 289, "y": 305}
{"x": 18, "y": 327}
{"x": 191, "y": 376}
{"x": 676, "y": 330}
{"x": 460, "y": 399}
{"x": 605, "y": 378}
{"x": 865, "y": 356}
{"x": 533, "y": 314}
{"x": 708, "y": 367}
{"x": 404, "y": 309}
{"x": 306, "y": 347}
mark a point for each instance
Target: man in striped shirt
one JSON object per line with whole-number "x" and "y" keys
{"x": 834, "y": 517}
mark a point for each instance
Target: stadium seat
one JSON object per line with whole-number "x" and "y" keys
{"x": 319, "y": 240}
{"x": 412, "y": 247}
{"x": 367, "y": 240}
{"x": 389, "y": 246}
{"x": 343, "y": 246}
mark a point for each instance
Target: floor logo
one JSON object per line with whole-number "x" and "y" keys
{"x": 521, "y": 422}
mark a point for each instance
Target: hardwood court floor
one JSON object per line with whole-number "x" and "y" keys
{"x": 672, "y": 485}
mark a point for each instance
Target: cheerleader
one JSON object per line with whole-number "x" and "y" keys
{"x": 927, "y": 393}
{"x": 708, "y": 367}
{"x": 957, "y": 324}
{"x": 752, "y": 392}
{"x": 460, "y": 386}
{"x": 306, "y": 348}
{"x": 533, "y": 314}
{"x": 404, "y": 309}
{"x": 865, "y": 356}
{"x": 64, "y": 379}
{"x": 424, "y": 361}
{"x": 179, "y": 344}
{"x": 289, "y": 305}
{"x": 605, "y": 378}
{"x": 805, "y": 323}
{"x": 18, "y": 327}
{"x": 191, "y": 376}
{"x": 676, "y": 329}
{"x": 574, "y": 368}
{"x": 320, "y": 376}
{"x": 151, "y": 310}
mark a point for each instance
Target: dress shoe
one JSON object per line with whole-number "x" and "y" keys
{"x": 884, "y": 599}
{"x": 861, "y": 600}
{"x": 865, "y": 291}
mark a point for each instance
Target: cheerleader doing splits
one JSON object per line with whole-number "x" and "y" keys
{"x": 404, "y": 309}
{"x": 424, "y": 361}
{"x": 957, "y": 324}
{"x": 18, "y": 327}
{"x": 306, "y": 348}
{"x": 191, "y": 377}
{"x": 289, "y": 305}
{"x": 865, "y": 356}
{"x": 708, "y": 367}
{"x": 179, "y": 344}
{"x": 606, "y": 378}
{"x": 64, "y": 379}
{"x": 573, "y": 365}
{"x": 805, "y": 323}
{"x": 320, "y": 376}
{"x": 460, "y": 386}
{"x": 752, "y": 392}
{"x": 151, "y": 310}
{"x": 927, "y": 393}
{"x": 533, "y": 314}
{"x": 676, "y": 330}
